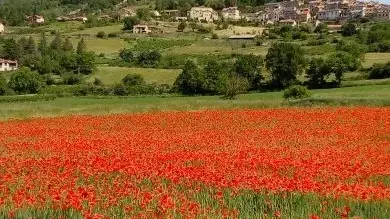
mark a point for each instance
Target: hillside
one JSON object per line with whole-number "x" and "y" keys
{"x": 13, "y": 12}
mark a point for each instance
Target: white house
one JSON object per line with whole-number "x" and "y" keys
{"x": 231, "y": 13}
{"x": 203, "y": 14}
{"x": 8, "y": 65}
{"x": 2, "y": 28}
{"x": 141, "y": 29}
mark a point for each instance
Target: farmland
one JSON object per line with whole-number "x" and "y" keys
{"x": 283, "y": 163}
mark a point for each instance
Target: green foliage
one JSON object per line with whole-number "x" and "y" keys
{"x": 285, "y": 61}
{"x": 380, "y": 71}
{"x": 182, "y": 26}
{"x": 11, "y": 49}
{"x": 317, "y": 72}
{"x": 29, "y": 98}
{"x": 97, "y": 81}
{"x": 214, "y": 36}
{"x": 341, "y": 62}
{"x": 149, "y": 58}
{"x": 143, "y": 13}
{"x": 349, "y": 29}
{"x": 101, "y": 34}
{"x": 126, "y": 55}
{"x": 25, "y": 81}
{"x": 130, "y": 22}
{"x": 249, "y": 67}
{"x": 81, "y": 46}
{"x": 56, "y": 44}
{"x": 321, "y": 28}
{"x": 133, "y": 80}
{"x": 190, "y": 80}
{"x": 351, "y": 47}
{"x": 70, "y": 78}
{"x": 234, "y": 86}
{"x": 215, "y": 77}
{"x": 3, "y": 85}
{"x": 296, "y": 92}
{"x": 67, "y": 46}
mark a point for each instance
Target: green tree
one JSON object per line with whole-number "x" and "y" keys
{"x": 321, "y": 28}
{"x": 133, "y": 80}
{"x": 31, "y": 47}
{"x": 11, "y": 49}
{"x": 215, "y": 77}
{"x": 143, "y": 13}
{"x": 149, "y": 58}
{"x": 85, "y": 63}
{"x": 349, "y": 29}
{"x": 48, "y": 65}
{"x": 130, "y": 22}
{"x": 67, "y": 46}
{"x": 352, "y": 47}
{"x": 182, "y": 26}
{"x": 42, "y": 46}
{"x": 25, "y": 81}
{"x": 3, "y": 85}
{"x": 317, "y": 72}
{"x": 126, "y": 55}
{"x": 341, "y": 62}
{"x": 234, "y": 86}
{"x": 285, "y": 61}
{"x": 56, "y": 44}
{"x": 250, "y": 67}
{"x": 190, "y": 80}
{"x": 81, "y": 47}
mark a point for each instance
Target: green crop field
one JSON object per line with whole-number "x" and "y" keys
{"x": 362, "y": 95}
{"x": 372, "y": 58}
{"x": 112, "y": 75}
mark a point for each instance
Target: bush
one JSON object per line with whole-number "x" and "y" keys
{"x": 380, "y": 71}
{"x": 97, "y": 81}
{"x": 215, "y": 36}
{"x": 71, "y": 79}
{"x": 316, "y": 42}
{"x": 120, "y": 90}
{"x": 101, "y": 34}
{"x": 112, "y": 35}
{"x": 235, "y": 85}
{"x": 25, "y": 81}
{"x": 296, "y": 92}
{"x": 133, "y": 80}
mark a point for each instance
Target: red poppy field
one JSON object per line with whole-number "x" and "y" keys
{"x": 274, "y": 163}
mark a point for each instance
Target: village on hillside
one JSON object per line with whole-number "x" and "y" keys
{"x": 335, "y": 12}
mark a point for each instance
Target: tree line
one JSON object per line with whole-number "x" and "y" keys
{"x": 283, "y": 64}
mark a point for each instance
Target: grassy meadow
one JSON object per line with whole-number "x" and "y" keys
{"x": 359, "y": 95}
{"x": 111, "y": 74}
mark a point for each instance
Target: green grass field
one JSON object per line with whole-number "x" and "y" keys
{"x": 372, "y": 58}
{"x": 112, "y": 75}
{"x": 362, "y": 95}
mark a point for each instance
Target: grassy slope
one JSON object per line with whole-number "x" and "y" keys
{"x": 112, "y": 75}
{"x": 372, "y": 58}
{"x": 67, "y": 106}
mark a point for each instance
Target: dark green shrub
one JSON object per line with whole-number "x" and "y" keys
{"x": 97, "y": 81}
{"x": 120, "y": 90}
{"x": 380, "y": 71}
{"x": 3, "y": 85}
{"x": 112, "y": 35}
{"x": 214, "y": 36}
{"x": 133, "y": 80}
{"x": 101, "y": 34}
{"x": 25, "y": 81}
{"x": 296, "y": 92}
{"x": 71, "y": 79}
